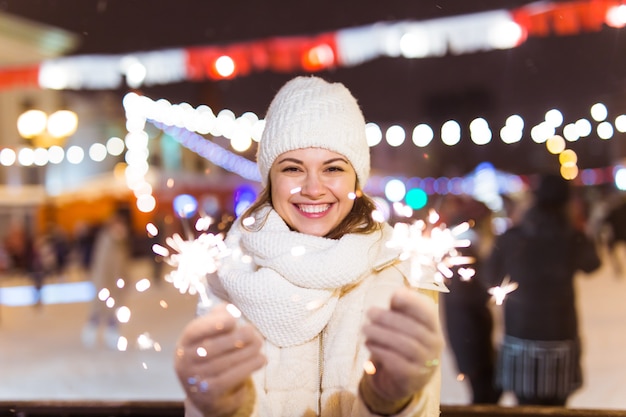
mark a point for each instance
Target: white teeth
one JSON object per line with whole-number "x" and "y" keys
{"x": 313, "y": 208}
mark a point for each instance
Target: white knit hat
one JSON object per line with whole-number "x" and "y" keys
{"x": 308, "y": 112}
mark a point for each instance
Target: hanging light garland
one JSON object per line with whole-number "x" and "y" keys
{"x": 187, "y": 124}
{"x": 456, "y": 35}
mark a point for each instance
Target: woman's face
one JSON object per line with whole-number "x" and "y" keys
{"x": 313, "y": 189}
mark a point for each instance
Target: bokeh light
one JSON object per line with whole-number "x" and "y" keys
{"x": 185, "y": 206}
{"x": 416, "y": 198}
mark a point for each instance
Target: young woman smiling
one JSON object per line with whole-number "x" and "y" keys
{"x": 332, "y": 327}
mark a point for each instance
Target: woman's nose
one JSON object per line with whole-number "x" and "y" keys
{"x": 312, "y": 186}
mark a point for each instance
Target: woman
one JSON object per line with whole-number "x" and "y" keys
{"x": 324, "y": 299}
{"x": 540, "y": 353}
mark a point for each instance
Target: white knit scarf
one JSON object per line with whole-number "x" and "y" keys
{"x": 291, "y": 286}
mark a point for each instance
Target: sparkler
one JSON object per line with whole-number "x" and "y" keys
{"x": 499, "y": 292}
{"x": 432, "y": 248}
{"x": 194, "y": 260}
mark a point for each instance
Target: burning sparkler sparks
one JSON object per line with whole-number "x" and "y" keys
{"x": 431, "y": 248}
{"x": 194, "y": 260}
{"x": 499, "y": 293}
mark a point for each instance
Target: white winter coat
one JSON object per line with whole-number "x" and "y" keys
{"x": 320, "y": 376}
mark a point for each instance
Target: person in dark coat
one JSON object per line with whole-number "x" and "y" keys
{"x": 539, "y": 358}
{"x": 468, "y": 319}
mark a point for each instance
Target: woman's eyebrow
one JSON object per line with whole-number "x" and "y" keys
{"x": 333, "y": 160}
{"x": 298, "y": 161}
{"x": 292, "y": 160}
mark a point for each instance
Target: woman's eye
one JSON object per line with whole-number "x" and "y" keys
{"x": 335, "y": 169}
{"x": 290, "y": 169}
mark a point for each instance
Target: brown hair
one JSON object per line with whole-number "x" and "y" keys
{"x": 359, "y": 220}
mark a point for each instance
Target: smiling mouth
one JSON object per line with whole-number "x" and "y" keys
{"x": 313, "y": 208}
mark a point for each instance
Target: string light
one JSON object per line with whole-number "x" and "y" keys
{"x": 177, "y": 120}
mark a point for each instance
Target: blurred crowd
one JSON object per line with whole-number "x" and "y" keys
{"x": 47, "y": 255}
{"x": 537, "y": 242}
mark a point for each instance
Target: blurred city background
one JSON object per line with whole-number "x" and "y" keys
{"x": 155, "y": 107}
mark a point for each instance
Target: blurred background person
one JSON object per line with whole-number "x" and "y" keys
{"x": 468, "y": 319}
{"x": 60, "y": 246}
{"x": 83, "y": 242}
{"x": 540, "y": 354}
{"x": 16, "y": 243}
{"x": 109, "y": 270}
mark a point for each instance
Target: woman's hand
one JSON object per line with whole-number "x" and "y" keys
{"x": 405, "y": 344}
{"x": 214, "y": 360}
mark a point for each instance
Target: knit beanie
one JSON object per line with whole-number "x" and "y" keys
{"x": 309, "y": 112}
